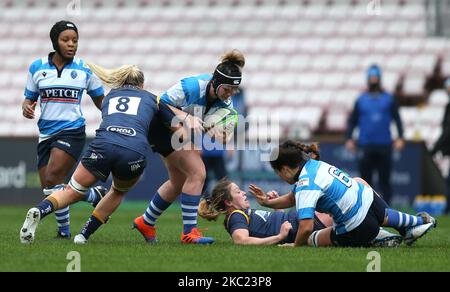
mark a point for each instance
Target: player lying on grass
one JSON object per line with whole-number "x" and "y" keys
{"x": 259, "y": 227}
{"x": 357, "y": 210}
{"x": 119, "y": 148}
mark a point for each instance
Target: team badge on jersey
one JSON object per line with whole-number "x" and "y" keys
{"x": 304, "y": 182}
{"x": 44, "y": 73}
{"x": 73, "y": 74}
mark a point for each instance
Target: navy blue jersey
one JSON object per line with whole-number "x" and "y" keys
{"x": 262, "y": 224}
{"x": 126, "y": 116}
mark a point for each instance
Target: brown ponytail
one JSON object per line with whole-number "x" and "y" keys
{"x": 211, "y": 208}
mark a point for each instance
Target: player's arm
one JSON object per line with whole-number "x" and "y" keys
{"x": 191, "y": 121}
{"x": 31, "y": 95}
{"x": 283, "y": 202}
{"x": 306, "y": 227}
{"x": 241, "y": 236}
{"x": 98, "y": 100}
{"x": 28, "y": 107}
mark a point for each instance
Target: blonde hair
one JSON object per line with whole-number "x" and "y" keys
{"x": 116, "y": 78}
{"x": 234, "y": 56}
{"x": 211, "y": 208}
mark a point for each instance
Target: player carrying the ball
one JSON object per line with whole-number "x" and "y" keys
{"x": 189, "y": 98}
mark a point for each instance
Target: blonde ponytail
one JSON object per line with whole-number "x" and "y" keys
{"x": 116, "y": 78}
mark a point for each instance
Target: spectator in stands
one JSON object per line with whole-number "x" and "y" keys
{"x": 436, "y": 80}
{"x": 59, "y": 81}
{"x": 372, "y": 114}
{"x": 443, "y": 143}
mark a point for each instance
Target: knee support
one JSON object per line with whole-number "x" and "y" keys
{"x": 312, "y": 240}
{"x": 122, "y": 190}
{"x": 78, "y": 187}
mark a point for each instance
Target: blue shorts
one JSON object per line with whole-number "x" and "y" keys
{"x": 70, "y": 141}
{"x": 363, "y": 235}
{"x": 101, "y": 159}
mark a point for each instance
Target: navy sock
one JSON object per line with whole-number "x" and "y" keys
{"x": 45, "y": 207}
{"x": 91, "y": 226}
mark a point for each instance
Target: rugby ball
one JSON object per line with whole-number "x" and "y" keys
{"x": 222, "y": 119}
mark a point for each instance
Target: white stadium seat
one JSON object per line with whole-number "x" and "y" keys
{"x": 297, "y": 54}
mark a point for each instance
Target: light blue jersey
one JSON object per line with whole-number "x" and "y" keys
{"x": 327, "y": 189}
{"x": 189, "y": 95}
{"x": 60, "y": 94}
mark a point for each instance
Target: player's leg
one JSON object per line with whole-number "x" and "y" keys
{"x": 161, "y": 200}
{"x": 72, "y": 142}
{"x": 105, "y": 208}
{"x": 66, "y": 148}
{"x": 58, "y": 200}
{"x": 324, "y": 219}
{"x": 209, "y": 166}
{"x": 365, "y": 163}
{"x": 126, "y": 170}
{"x": 58, "y": 168}
{"x": 321, "y": 238}
{"x": 385, "y": 238}
{"x": 384, "y": 168}
{"x": 191, "y": 164}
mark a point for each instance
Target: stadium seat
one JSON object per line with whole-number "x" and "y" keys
{"x": 336, "y": 120}
{"x": 438, "y": 98}
{"x": 297, "y": 51}
{"x": 414, "y": 83}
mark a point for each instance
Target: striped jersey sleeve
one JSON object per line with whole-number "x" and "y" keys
{"x": 307, "y": 193}
{"x": 31, "y": 89}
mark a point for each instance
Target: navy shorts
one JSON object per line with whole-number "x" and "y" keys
{"x": 70, "y": 141}
{"x": 363, "y": 235}
{"x": 160, "y": 138}
{"x": 101, "y": 159}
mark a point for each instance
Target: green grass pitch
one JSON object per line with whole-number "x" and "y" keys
{"x": 115, "y": 247}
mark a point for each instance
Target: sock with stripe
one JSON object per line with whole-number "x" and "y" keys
{"x": 156, "y": 207}
{"x": 62, "y": 215}
{"x": 92, "y": 196}
{"x": 400, "y": 221}
{"x": 189, "y": 209}
{"x": 63, "y": 220}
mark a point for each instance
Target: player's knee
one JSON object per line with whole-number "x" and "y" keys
{"x": 77, "y": 188}
{"x": 313, "y": 239}
{"x": 198, "y": 177}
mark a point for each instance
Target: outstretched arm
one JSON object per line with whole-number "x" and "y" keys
{"x": 241, "y": 236}
{"x": 283, "y": 202}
